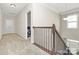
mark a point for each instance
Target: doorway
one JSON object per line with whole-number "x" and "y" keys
{"x": 29, "y": 25}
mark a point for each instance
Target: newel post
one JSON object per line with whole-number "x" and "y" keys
{"x": 53, "y": 37}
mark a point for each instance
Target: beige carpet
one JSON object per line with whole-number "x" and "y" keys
{"x": 12, "y": 44}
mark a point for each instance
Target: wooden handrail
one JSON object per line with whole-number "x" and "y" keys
{"x": 60, "y": 37}
{"x": 55, "y": 31}
{"x": 41, "y": 27}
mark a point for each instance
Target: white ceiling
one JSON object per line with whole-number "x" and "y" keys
{"x": 62, "y": 7}
{"x": 8, "y": 11}
{"x": 57, "y": 7}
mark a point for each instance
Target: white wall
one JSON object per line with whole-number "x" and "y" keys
{"x": 72, "y": 34}
{"x": 0, "y": 24}
{"x": 8, "y": 25}
{"x": 69, "y": 33}
{"x": 40, "y": 16}
{"x": 21, "y": 22}
{"x": 43, "y": 16}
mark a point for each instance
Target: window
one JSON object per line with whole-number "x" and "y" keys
{"x": 72, "y": 21}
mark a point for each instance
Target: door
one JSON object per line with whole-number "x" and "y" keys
{"x": 29, "y": 24}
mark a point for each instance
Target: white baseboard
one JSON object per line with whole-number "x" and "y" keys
{"x": 21, "y": 36}
{"x": 7, "y": 33}
{"x": 16, "y": 34}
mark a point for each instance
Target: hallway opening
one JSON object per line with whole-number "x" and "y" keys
{"x": 29, "y": 25}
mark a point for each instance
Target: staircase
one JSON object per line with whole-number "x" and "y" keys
{"x": 49, "y": 40}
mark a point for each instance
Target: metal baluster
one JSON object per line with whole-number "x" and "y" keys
{"x": 43, "y": 38}
{"x": 51, "y": 39}
{"x": 34, "y": 36}
{"x": 40, "y": 36}
{"x": 46, "y": 39}
{"x": 37, "y": 36}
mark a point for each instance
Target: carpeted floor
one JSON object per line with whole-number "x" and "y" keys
{"x": 12, "y": 44}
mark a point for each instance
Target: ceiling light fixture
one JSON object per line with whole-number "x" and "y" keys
{"x": 12, "y": 5}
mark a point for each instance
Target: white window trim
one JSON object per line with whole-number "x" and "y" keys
{"x": 75, "y": 21}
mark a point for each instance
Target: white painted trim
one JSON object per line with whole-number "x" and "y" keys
{"x": 70, "y": 12}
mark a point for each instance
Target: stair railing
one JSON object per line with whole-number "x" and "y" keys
{"x": 48, "y": 39}
{"x": 58, "y": 42}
